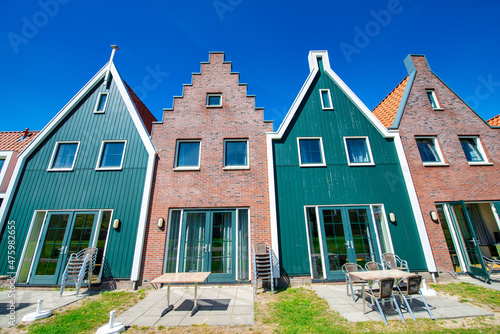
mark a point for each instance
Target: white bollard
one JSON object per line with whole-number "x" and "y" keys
{"x": 426, "y": 291}
{"x": 39, "y": 314}
{"x": 111, "y": 327}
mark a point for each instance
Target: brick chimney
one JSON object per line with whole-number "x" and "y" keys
{"x": 416, "y": 62}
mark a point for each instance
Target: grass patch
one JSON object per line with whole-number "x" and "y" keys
{"x": 471, "y": 293}
{"x": 93, "y": 313}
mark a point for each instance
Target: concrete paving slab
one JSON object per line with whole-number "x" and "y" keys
{"x": 144, "y": 321}
{"x": 242, "y": 319}
{"x": 170, "y": 320}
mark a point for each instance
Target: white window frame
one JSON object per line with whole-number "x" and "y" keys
{"x": 438, "y": 151}
{"x": 329, "y": 99}
{"x": 322, "y": 164}
{"x": 5, "y": 155}
{"x": 479, "y": 147}
{"x": 177, "y": 154}
{"x": 434, "y": 97}
{"x": 367, "y": 140}
{"x": 101, "y": 152}
{"x": 53, "y": 157}
{"x": 214, "y": 105}
{"x": 247, "y": 166}
{"x": 98, "y": 101}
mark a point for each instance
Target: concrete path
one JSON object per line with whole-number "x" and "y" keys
{"x": 26, "y": 301}
{"x": 219, "y": 306}
{"x": 441, "y": 307}
{"x": 495, "y": 281}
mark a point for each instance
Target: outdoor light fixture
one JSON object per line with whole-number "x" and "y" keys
{"x": 392, "y": 217}
{"x": 161, "y": 221}
{"x": 116, "y": 223}
{"x": 434, "y": 216}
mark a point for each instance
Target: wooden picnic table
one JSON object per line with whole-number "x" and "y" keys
{"x": 192, "y": 277}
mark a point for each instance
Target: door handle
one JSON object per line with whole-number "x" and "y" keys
{"x": 61, "y": 250}
{"x": 209, "y": 248}
{"x": 347, "y": 244}
{"x": 352, "y": 244}
{"x": 474, "y": 241}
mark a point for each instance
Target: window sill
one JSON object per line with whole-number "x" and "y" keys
{"x": 213, "y": 106}
{"x": 360, "y": 164}
{"x": 186, "y": 169}
{"x": 328, "y": 108}
{"x": 98, "y": 112}
{"x": 108, "y": 168}
{"x": 312, "y": 165}
{"x": 435, "y": 164}
{"x": 437, "y": 109}
{"x": 482, "y": 163}
{"x": 60, "y": 170}
{"x": 236, "y": 168}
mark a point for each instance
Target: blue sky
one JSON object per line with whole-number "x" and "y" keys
{"x": 51, "y": 48}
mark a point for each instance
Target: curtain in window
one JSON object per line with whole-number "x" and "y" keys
{"x": 427, "y": 150}
{"x": 172, "y": 241}
{"x": 470, "y": 150}
{"x": 195, "y": 242}
{"x": 358, "y": 151}
{"x": 483, "y": 235}
{"x": 243, "y": 273}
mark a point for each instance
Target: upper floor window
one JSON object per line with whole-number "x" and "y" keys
{"x": 358, "y": 151}
{"x": 311, "y": 152}
{"x": 2, "y": 162}
{"x": 235, "y": 153}
{"x": 101, "y": 103}
{"x": 429, "y": 151}
{"x": 473, "y": 150}
{"x": 433, "y": 99}
{"x": 214, "y": 100}
{"x": 111, "y": 154}
{"x": 326, "y": 99}
{"x": 64, "y": 156}
{"x": 188, "y": 154}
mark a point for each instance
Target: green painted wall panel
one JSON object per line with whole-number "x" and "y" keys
{"x": 338, "y": 183}
{"x": 84, "y": 187}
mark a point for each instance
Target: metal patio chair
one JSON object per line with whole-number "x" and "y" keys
{"x": 372, "y": 265}
{"x": 350, "y": 281}
{"x": 409, "y": 289}
{"x": 489, "y": 263}
{"x": 392, "y": 261}
{"x": 382, "y": 294}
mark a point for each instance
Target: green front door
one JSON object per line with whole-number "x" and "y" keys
{"x": 64, "y": 233}
{"x": 207, "y": 244}
{"x": 467, "y": 239}
{"x": 348, "y": 236}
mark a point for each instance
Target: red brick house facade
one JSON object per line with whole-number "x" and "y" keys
{"x": 211, "y": 188}
{"x": 454, "y": 160}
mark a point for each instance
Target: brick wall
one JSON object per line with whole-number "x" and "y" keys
{"x": 211, "y": 186}
{"x": 459, "y": 180}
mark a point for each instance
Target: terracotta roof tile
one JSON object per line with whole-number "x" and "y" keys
{"x": 495, "y": 121}
{"x": 147, "y": 117}
{"x": 387, "y": 109}
{"x": 10, "y": 141}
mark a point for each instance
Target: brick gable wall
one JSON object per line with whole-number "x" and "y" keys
{"x": 211, "y": 186}
{"x": 458, "y": 181}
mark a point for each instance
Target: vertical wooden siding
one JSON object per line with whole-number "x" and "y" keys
{"x": 84, "y": 187}
{"x": 338, "y": 183}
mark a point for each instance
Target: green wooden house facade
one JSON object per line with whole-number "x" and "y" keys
{"x": 84, "y": 181}
{"x": 340, "y": 186}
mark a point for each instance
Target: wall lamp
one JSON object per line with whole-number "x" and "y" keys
{"x": 434, "y": 216}
{"x": 392, "y": 217}
{"x": 116, "y": 223}
{"x": 161, "y": 222}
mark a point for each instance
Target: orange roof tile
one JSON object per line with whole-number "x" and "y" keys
{"x": 11, "y": 141}
{"x": 147, "y": 117}
{"x": 387, "y": 109}
{"x": 495, "y": 121}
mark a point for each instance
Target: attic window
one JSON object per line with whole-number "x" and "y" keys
{"x": 214, "y": 100}
{"x": 433, "y": 100}
{"x": 101, "y": 103}
{"x": 326, "y": 99}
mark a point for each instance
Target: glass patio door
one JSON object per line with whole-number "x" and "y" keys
{"x": 207, "y": 244}
{"x": 467, "y": 239}
{"x": 63, "y": 234}
{"x": 347, "y": 237}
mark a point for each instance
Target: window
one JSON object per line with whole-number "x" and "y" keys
{"x": 188, "y": 154}
{"x": 358, "y": 151}
{"x": 433, "y": 100}
{"x": 2, "y": 162}
{"x": 311, "y": 152}
{"x": 235, "y": 153}
{"x": 473, "y": 150}
{"x": 111, "y": 154}
{"x": 214, "y": 100}
{"x": 326, "y": 99}
{"x": 63, "y": 156}
{"x": 429, "y": 151}
{"x": 5, "y": 157}
{"x": 101, "y": 103}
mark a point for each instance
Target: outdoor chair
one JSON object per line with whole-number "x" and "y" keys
{"x": 382, "y": 294}
{"x": 489, "y": 263}
{"x": 409, "y": 289}
{"x": 372, "y": 265}
{"x": 350, "y": 281}
{"x": 392, "y": 261}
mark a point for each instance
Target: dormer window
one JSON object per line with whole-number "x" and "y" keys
{"x": 214, "y": 100}
{"x": 433, "y": 100}
{"x": 101, "y": 103}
